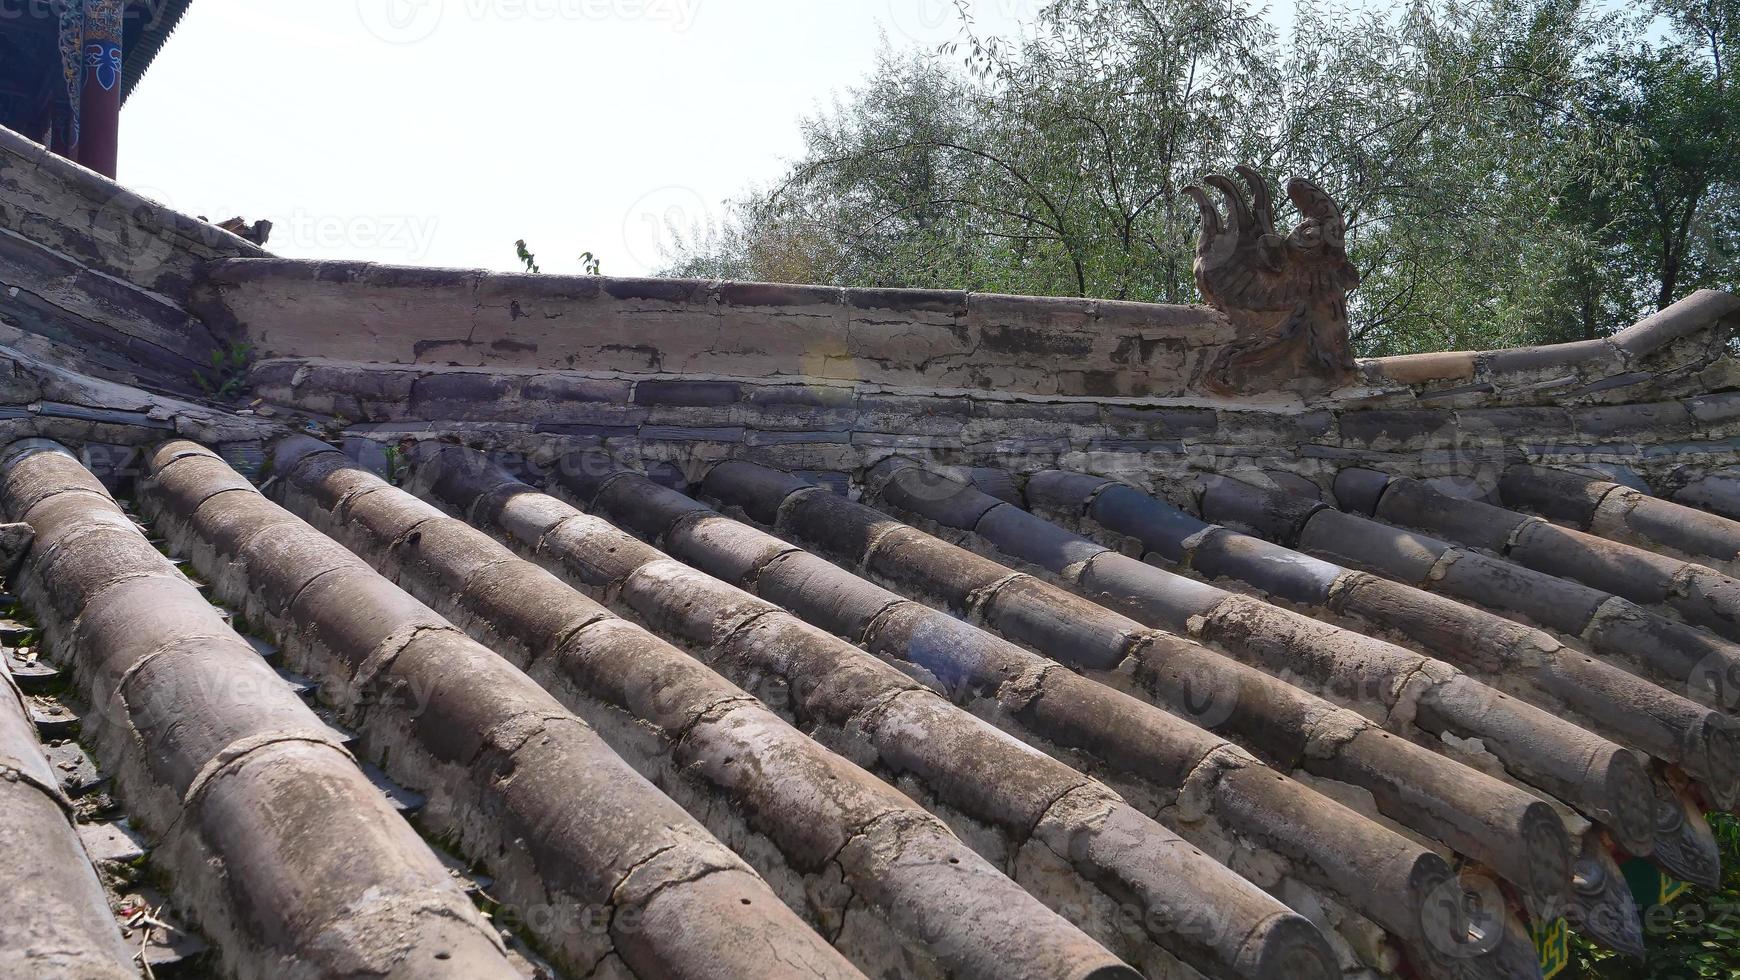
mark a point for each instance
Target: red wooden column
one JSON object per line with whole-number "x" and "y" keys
{"x": 99, "y": 112}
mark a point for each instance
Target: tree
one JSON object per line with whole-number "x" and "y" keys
{"x": 1449, "y": 132}
{"x": 1048, "y": 165}
{"x": 1685, "y": 113}
{"x": 1513, "y": 171}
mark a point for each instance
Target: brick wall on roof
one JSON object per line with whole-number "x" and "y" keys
{"x": 670, "y": 327}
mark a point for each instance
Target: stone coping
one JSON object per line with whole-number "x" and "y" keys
{"x": 1697, "y": 313}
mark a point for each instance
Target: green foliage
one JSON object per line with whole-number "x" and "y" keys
{"x": 1688, "y": 164}
{"x": 228, "y": 374}
{"x": 589, "y": 262}
{"x": 1513, "y": 171}
{"x": 1696, "y": 938}
{"x": 398, "y": 465}
{"x": 526, "y": 256}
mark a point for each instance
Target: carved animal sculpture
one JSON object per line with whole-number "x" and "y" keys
{"x": 1286, "y": 296}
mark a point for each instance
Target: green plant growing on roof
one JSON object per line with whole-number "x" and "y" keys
{"x": 589, "y": 262}
{"x": 397, "y": 465}
{"x": 525, "y": 256}
{"x": 228, "y": 373}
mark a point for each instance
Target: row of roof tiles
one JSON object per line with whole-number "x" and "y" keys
{"x": 937, "y": 732}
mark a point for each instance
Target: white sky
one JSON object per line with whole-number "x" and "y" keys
{"x": 436, "y": 132}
